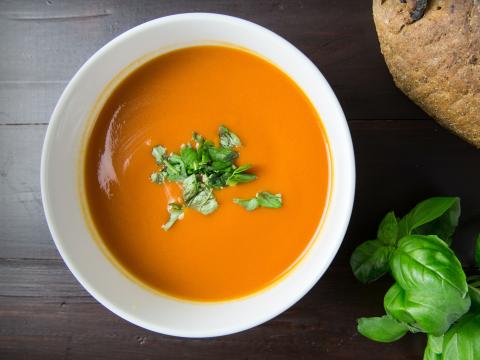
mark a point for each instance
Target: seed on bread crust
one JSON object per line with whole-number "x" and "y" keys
{"x": 418, "y": 9}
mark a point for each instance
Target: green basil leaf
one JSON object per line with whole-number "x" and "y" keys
{"x": 436, "y": 343}
{"x": 430, "y": 210}
{"x": 395, "y": 305}
{"x": 158, "y": 177}
{"x": 383, "y": 329}
{"x": 429, "y": 354}
{"x": 370, "y": 260}
{"x": 249, "y": 204}
{"x": 203, "y": 201}
{"x": 402, "y": 228}
{"x": 172, "y": 171}
{"x": 461, "y": 342}
{"x": 239, "y": 177}
{"x": 222, "y": 154}
{"x": 477, "y": 251}
{"x": 434, "y": 348}
{"x": 388, "y": 229}
{"x": 175, "y": 168}
{"x": 189, "y": 157}
{"x": 203, "y": 152}
{"x": 176, "y": 212}
{"x": 262, "y": 199}
{"x": 426, "y": 261}
{"x": 474, "y": 293}
{"x": 242, "y": 168}
{"x": 218, "y": 180}
{"x": 235, "y": 179}
{"x": 220, "y": 166}
{"x": 190, "y": 187}
{"x": 427, "y": 310}
{"x": 158, "y": 152}
{"x": 433, "y": 283}
{"x": 268, "y": 200}
{"x": 227, "y": 138}
{"x": 198, "y": 138}
{"x": 444, "y": 226}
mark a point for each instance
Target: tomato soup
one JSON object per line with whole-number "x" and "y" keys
{"x": 232, "y": 252}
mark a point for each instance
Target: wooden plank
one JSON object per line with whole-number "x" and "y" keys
{"x": 28, "y": 102}
{"x": 44, "y": 43}
{"x": 38, "y": 278}
{"x": 23, "y": 230}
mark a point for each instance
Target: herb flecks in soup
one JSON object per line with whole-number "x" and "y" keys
{"x": 231, "y": 252}
{"x": 201, "y": 169}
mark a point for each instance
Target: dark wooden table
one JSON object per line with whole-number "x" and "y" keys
{"x": 402, "y": 157}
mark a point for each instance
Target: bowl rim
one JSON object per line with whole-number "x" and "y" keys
{"x": 55, "y": 121}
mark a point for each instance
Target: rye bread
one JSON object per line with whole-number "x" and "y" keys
{"x": 435, "y": 60}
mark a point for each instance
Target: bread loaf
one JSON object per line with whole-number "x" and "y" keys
{"x": 432, "y": 50}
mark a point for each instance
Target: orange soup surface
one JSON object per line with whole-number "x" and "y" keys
{"x": 232, "y": 252}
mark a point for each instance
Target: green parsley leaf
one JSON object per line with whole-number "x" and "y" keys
{"x": 218, "y": 180}
{"x": 189, "y": 157}
{"x": 220, "y": 166}
{"x": 203, "y": 152}
{"x": 227, "y": 138}
{"x": 238, "y": 177}
{"x": 157, "y": 177}
{"x": 198, "y": 138}
{"x": 190, "y": 187}
{"x": 248, "y": 204}
{"x": 203, "y": 201}
{"x": 262, "y": 199}
{"x": 265, "y": 199}
{"x": 176, "y": 212}
{"x": 158, "y": 153}
{"x": 222, "y": 154}
{"x": 176, "y": 170}
{"x": 243, "y": 168}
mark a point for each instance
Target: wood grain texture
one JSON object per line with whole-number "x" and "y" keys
{"x": 46, "y": 314}
{"x": 44, "y": 43}
{"x": 319, "y": 326}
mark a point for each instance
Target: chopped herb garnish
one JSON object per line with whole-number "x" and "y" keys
{"x": 239, "y": 176}
{"x": 204, "y": 201}
{"x": 176, "y": 212}
{"x": 267, "y": 200}
{"x": 158, "y": 153}
{"x": 227, "y": 138}
{"x": 262, "y": 199}
{"x": 201, "y": 169}
{"x": 157, "y": 177}
{"x": 249, "y": 204}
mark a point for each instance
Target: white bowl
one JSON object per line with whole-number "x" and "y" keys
{"x": 60, "y": 167}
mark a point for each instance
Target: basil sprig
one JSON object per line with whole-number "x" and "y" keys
{"x": 431, "y": 293}
{"x": 203, "y": 168}
{"x": 438, "y": 215}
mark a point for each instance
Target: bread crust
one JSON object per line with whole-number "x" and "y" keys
{"x": 436, "y": 60}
